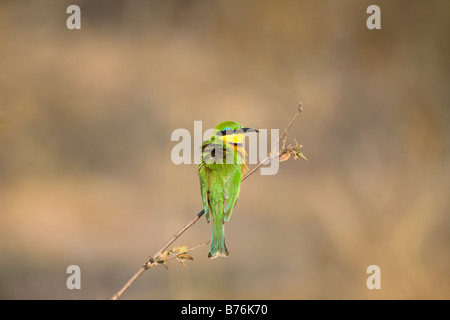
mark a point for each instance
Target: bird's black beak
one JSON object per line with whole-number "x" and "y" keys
{"x": 249, "y": 130}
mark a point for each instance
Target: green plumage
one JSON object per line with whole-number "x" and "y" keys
{"x": 220, "y": 174}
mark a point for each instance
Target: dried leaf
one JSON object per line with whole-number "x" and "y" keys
{"x": 285, "y": 156}
{"x": 185, "y": 256}
{"x": 181, "y": 249}
{"x": 163, "y": 256}
{"x": 301, "y": 155}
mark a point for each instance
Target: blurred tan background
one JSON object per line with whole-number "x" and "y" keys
{"x": 86, "y": 176}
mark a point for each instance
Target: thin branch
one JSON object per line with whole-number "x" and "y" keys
{"x": 275, "y": 145}
{"x": 299, "y": 110}
{"x": 154, "y": 260}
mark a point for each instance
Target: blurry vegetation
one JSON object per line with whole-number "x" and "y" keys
{"x": 85, "y": 124}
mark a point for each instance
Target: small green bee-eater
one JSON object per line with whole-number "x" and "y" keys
{"x": 220, "y": 172}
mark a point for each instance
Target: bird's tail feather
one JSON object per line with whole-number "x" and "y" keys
{"x": 217, "y": 246}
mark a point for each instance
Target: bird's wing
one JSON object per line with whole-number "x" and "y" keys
{"x": 231, "y": 186}
{"x": 204, "y": 187}
{"x": 212, "y": 152}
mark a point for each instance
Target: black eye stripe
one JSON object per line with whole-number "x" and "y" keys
{"x": 225, "y": 132}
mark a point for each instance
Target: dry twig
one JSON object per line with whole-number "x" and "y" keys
{"x": 180, "y": 253}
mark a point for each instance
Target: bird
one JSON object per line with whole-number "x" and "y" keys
{"x": 220, "y": 172}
